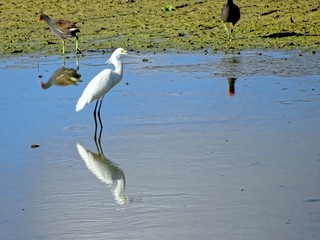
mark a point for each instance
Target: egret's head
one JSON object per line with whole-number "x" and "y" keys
{"x": 116, "y": 54}
{"x": 122, "y": 51}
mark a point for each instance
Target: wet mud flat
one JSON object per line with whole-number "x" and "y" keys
{"x": 195, "y": 145}
{"x": 160, "y": 25}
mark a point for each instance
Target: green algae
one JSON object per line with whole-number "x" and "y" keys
{"x": 144, "y": 25}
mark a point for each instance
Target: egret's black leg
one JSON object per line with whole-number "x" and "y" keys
{"x": 101, "y": 126}
{"x": 98, "y": 145}
{"x": 99, "y": 114}
{"x": 95, "y": 121}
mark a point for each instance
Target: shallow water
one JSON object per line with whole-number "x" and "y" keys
{"x": 183, "y": 156}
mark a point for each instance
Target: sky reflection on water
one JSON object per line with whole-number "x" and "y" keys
{"x": 196, "y": 163}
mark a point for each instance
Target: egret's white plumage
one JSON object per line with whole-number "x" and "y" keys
{"x": 103, "y": 82}
{"x": 106, "y": 171}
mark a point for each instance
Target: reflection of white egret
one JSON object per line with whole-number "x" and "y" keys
{"x": 105, "y": 171}
{"x": 101, "y": 84}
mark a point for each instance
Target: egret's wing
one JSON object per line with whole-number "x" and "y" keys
{"x": 96, "y": 88}
{"x": 97, "y": 164}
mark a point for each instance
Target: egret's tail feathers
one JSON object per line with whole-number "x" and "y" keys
{"x": 80, "y": 104}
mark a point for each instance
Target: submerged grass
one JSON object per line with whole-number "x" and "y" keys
{"x": 152, "y": 25}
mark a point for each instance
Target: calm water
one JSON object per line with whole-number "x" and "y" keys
{"x": 182, "y": 156}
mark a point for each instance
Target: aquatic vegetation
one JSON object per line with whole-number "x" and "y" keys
{"x": 168, "y": 8}
{"x": 144, "y": 25}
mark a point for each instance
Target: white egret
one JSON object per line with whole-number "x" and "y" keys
{"x": 101, "y": 84}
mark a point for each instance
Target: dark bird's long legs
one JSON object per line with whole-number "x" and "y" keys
{"x": 229, "y": 33}
{"x": 63, "y": 46}
{"x": 78, "y": 50}
{"x": 77, "y": 62}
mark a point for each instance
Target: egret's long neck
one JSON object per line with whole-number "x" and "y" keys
{"x": 118, "y": 66}
{"x": 118, "y": 192}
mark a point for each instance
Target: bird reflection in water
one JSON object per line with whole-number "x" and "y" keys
{"x": 62, "y": 77}
{"x": 231, "y": 89}
{"x": 231, "y": 67}
{"x": 106, "y": 171}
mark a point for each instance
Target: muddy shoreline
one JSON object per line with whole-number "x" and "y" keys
{"x": 149, "y": 25}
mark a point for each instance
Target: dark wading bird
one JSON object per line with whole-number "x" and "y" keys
{"x": 230, "y": 13}
{"x": 62, "y": 29}
{"x": 100, "y": 85}
{"x": 62, "y": 77}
